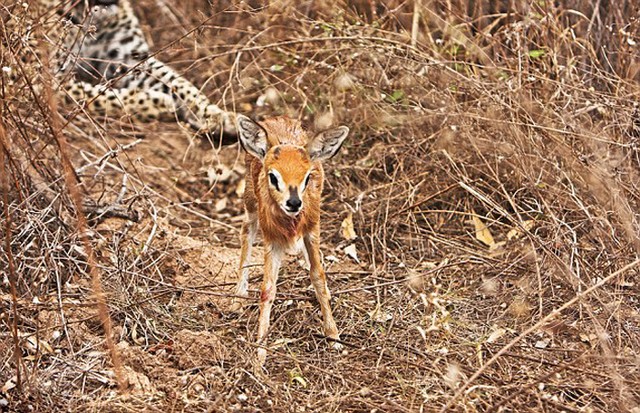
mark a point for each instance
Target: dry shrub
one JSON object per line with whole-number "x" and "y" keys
{"x": 520, "y": 116}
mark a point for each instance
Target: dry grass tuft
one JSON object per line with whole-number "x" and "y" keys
{"x": 491, "y": 177}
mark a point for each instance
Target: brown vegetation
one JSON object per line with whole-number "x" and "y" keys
{"x": 491, "y": 178}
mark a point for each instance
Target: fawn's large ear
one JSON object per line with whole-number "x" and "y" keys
{"x": 253, "y": 137}
{"x": 327, "y": 143}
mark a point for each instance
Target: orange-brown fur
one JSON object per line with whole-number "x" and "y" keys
{"x": 293, "y": 164}
{"x": 287, "y": 152}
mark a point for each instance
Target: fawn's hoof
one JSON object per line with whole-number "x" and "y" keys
{"x": 261, "y": 357}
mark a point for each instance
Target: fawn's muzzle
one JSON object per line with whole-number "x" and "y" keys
{"x": 294, "y": 203}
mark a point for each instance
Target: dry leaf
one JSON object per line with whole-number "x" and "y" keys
{"x": 134, "y": 335}
{"x": 588, "y": 338}
{"x": 348, "y": 232}
{"x": 496, "y": 335}
{"x": 9, "y": 385}
{"x": 281, "y": 342}
{"x": 34, "y": 345}
{"x": 625, "y": 284}
{"x": 453, "y": 375}
{"x": 482, "y": 232}
{"x": 352, "y": 253}
{"x": 555, "y": 327}
{"x": 344, "y": 81}
{"x": 517, "y": 231}
{"x": 296, "y": 377}
{"x": 221, "y": 204}
{"x": 331, "y": 258}
{"x": 379, "y": 315}
{"x": 542, "y": 344}
{"x": 218, "y": 173}
{"x": 323, "y": 121}
{"x": 138, "y": 383}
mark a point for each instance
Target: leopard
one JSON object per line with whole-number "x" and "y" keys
{"x": 103, "y": 62}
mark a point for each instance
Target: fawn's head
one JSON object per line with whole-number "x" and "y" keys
{"x": 288, "y": 166}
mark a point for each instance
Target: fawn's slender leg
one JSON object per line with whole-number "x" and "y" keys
{"x": 272, "y": 260}
{"x": 247, "y": 238}
{"x": 319, "y": 281}
{"x": 305, "y": 254}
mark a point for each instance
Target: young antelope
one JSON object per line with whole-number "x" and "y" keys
{"x": 282, "y": 197}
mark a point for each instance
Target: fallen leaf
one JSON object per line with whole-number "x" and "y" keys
{"x": 9, "y": 385}
{"x": 625, "y": 284}
{"x": 496, "y": 335}
{"x": 296, "y": 377}
{"x": 138, "y": 383}
{"x": 34, "y": 345}
{"x": 542, "y": 344}
{"x": 348, "y": 232}
{"x": 482, "y": 232}
{"x": 379, "y": 315}
{"x": 352, "y": 253}
{"x": 221, "y": 204}
{"x": 344, "y": 81}
{"x": 588, "y": 338}
{"x": 331, "y": 258}
{"x": 518, "y": 230}
{"x": 323, "y": 121}
{"x": 135, "y": 337}
{"x": 218, "y": 173}
{"x": 555, "y": 327}
{"x": 537, "y": 53}
{"x": 453, "y": 375}
{"x": 282, "y": 342}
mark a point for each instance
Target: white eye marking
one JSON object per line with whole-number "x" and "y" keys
{"x": 305, "y": 182}
{"x": 275, "y": 179}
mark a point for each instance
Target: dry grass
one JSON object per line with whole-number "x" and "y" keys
{"x": 520, "y": 118}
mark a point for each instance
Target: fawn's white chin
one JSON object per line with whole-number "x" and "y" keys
{"x": 291, "y": 213}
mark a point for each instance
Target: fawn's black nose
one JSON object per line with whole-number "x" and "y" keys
{"x": 293, "y": 204}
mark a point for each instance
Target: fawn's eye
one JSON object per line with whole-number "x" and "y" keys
{"x": 274, "y": 181}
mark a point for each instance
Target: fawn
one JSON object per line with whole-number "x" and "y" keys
{"x": 282, "y": 197}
